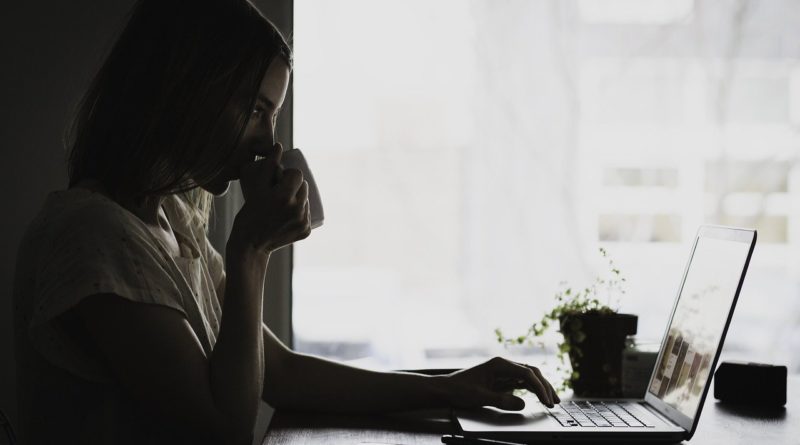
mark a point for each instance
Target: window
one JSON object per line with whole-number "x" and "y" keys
{"x": 472, "y": 155}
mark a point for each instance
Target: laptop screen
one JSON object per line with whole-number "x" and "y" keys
{"x": 698, "y": 323}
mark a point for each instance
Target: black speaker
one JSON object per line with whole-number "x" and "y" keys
{"x": 750, "y": 383}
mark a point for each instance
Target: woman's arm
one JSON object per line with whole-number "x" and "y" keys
{"x": 304, "y": 382}
{"x": 158, "y": 359}
{"x": 236, "y": 365}
{"x": 308, "y": 383}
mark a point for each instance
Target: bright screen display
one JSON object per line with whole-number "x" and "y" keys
{"x": 699, "y": 320}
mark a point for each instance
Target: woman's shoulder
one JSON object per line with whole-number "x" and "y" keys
{"x": 82, "y": 210}
{"x": 79, "y": 220}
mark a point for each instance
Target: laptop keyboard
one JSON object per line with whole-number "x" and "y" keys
{"x": 596, "y": 414}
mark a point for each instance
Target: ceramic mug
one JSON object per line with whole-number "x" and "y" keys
{"x": 293, "y": 158}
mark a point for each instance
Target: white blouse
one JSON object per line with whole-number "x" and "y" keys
{"x": 80, "y": 244}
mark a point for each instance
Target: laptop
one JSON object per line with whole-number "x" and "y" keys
{"x": 670, "y": 409}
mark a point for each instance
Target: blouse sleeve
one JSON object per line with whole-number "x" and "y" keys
{"x": 98, "y": 250}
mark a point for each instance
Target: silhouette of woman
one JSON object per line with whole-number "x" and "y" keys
{"x": 129, "y": 327}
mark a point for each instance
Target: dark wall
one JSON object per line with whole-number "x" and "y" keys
{"x": 50, "y": 51}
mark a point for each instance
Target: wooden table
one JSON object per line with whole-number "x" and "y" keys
{"x": 719, "y": 424}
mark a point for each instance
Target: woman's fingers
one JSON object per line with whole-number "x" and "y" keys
{"x": 531, "y": 381}
{"x": 290, "y": 183}
{"x": 301, "y": 204}
{"x": 248, "y": 179}
{"x": 302, "y": 193}
{"x": 547, "y": 386}
{"x": 553, "y": 396}
{"x": 306, "y": 230}
{"x": 275, "y": 162}
{"x": 273, "y": 153}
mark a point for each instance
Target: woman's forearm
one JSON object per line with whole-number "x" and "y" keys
{"x": 237, "y": 362}
{"x": 309, "y": 383}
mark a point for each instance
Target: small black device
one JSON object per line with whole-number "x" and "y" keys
{"x": 751, "y": 383}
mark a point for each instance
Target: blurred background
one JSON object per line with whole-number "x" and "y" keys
{"x": 474, "y": 154}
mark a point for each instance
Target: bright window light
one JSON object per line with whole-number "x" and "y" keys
{"x": 641, "y": 12}
{"x": 471, "y": 155}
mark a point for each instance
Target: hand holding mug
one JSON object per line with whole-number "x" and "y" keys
{"x": 276, "y": 209}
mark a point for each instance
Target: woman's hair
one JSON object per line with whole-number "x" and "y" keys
{"x": 171, "y": 101}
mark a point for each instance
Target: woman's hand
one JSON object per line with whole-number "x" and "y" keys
{"x": 276, "y": 211}
{"x": 491, "y": 384}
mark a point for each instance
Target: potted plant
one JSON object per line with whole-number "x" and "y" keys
{"x": 593, "y": 334}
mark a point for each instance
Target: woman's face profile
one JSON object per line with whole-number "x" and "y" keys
{"x": 259, "y": 133}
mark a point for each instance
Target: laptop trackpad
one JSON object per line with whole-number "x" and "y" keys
{"x": 534, "y": 417}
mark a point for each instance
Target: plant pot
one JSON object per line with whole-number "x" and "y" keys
{"x": 596, "y": 341}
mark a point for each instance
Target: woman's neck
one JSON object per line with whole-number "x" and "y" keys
{"x": 148, "y": 210}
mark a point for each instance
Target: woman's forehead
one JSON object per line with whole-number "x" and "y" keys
{"x": 275, "y": 82}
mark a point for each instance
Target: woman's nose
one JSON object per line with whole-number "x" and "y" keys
{"x": 265, "y": 135}
{"x": 269, "y": 133}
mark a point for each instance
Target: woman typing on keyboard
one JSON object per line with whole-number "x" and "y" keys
{"x": 129, "y": 326}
